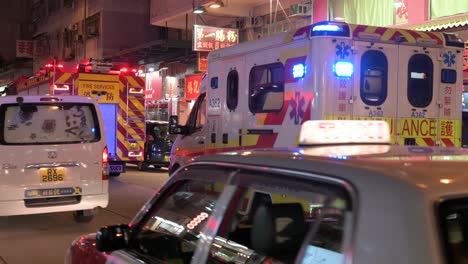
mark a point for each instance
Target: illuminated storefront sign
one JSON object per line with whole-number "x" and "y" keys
{"x": 213, "y": 38}
{"x": 153, "y": 89}
{"x": 202, "y": 61}
{"x": 192, "y": 86}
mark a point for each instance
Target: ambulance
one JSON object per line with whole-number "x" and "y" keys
{"x": 258, "y": 93}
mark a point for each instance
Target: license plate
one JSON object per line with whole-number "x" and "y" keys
{"x": 167, "y": 158}
{"x": 35, "y": 193}
{"x": 116, "y": 168}
{"x": 52, "y": 174}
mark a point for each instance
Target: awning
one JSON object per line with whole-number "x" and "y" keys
{"x": 440, "y": 24}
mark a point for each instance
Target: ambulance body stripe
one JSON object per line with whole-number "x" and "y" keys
{"x": 447, "y": 142}
{"x": 277, "y": 118}
{"x": 392, "y": 34}
{"x": 428, "y": 142}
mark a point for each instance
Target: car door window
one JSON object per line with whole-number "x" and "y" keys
{"x": 270, "y": 218}
{"x": 170, "y": 231}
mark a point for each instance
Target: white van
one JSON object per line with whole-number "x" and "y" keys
{"x": 54, "y": 156}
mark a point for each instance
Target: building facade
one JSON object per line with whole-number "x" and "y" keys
{"x": 14, "y": 21}
{"x": 77, "y": 30}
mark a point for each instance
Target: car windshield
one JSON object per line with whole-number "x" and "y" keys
{"x": 159, "y": 130}
{"x": 171, "y": 232}
{"x": 453, "y": 217}
{"x": 57, "y": 123}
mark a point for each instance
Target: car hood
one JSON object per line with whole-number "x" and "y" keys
{"x": 83, "y": 250}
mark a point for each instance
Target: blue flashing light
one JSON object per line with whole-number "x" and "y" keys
{"x": 93, "y": 130}
{"x": 326, "y": 28}
{"x": 299, "y": 70}
{"x": 343, "y": 69}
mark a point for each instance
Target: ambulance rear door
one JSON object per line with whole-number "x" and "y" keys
{"x": 418, "y": 95}
{"x": 227, "y": 104}
{"x": 375, "y": 83}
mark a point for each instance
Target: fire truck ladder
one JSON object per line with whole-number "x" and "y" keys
{"x": 135, "y": 116}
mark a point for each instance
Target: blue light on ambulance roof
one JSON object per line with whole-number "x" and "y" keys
{"x": 298, "y": 70}
{"x": 343, "y": 69}
{"x": 326, "y": 28}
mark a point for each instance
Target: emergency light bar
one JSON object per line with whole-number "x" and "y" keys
{"x": 326, "y": 28}
{"x": 330, "y": 28}
{"x": 326, "y": 132}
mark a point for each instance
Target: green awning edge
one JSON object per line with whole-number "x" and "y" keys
{"x": 439, "y": 24}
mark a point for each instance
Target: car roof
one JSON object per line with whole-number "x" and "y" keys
{"x": 43, "y": 99}
{"x": 431, "y": 170}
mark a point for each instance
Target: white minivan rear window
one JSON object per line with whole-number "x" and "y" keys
{"x": 51, "y": 123}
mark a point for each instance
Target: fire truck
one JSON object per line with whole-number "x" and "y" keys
{"x": 258, "y": 93}
{"x": 120, "y": 95}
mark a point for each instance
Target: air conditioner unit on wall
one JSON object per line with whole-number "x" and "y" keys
{"x": 299, "y": 10}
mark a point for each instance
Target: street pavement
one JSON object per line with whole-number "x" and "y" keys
{"x": 44, "y": 238}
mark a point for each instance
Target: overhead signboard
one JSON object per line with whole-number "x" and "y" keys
{"x": 29, "y": 48}
{"x": 213, "y": 38}
{"x": 192, "y": 86}
{"x": 202, "y": 61}
{"x": 153, "y": 89}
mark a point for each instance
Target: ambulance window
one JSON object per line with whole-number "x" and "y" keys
{"x": 232, "y": 90}
{"x": 420, "y": 72}
{"x": 266, "y": 88}
{"x": 197, "y": 116}
{"x": 374, "y": 73}
{"x": 201, "y": 118}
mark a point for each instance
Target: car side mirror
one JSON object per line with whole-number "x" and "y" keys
{"x": 110, "y": 238}
{"x": 175, "y": 128}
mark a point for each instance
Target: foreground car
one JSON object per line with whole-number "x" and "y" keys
{"x": 328, "y": 203}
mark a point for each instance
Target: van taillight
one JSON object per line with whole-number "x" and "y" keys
{"x": 105, "y": 155}
{"x": 105, "y": 164}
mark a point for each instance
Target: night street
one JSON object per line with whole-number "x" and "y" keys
{"x": 44, "y": 238}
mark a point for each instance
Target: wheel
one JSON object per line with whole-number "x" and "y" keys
{"x": 114, "y": 174}
{"x": 142, "y": 166}
{"x": 83, "y": 216}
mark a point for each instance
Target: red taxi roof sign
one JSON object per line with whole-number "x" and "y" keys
{"x": 326, "y": 132}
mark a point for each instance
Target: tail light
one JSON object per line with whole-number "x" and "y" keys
{"x": 105, "y": 164}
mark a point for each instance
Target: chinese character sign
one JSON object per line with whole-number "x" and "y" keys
{"x": 202, "y": 61}
{"x": 153, "y": 89}
{"x": 24, "y": 48}
{"x": 29, "y": 48}
{"x": 192, "y": 86}
{"x": 212, "y": 38}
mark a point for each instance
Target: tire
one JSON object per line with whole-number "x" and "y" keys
{"x": 141, "y": 166}
{"x": 83, "y": 216}
{"x": 114, "y": 174}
